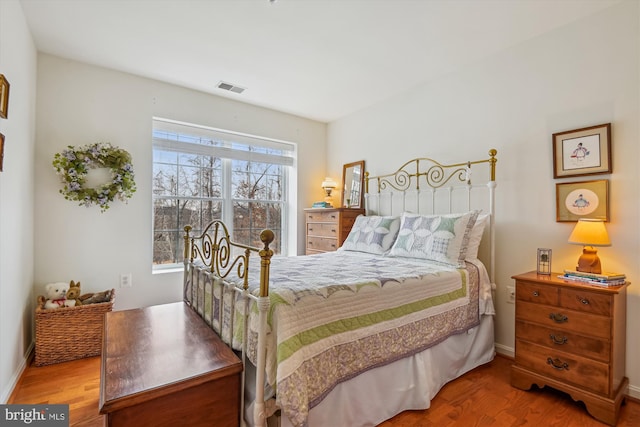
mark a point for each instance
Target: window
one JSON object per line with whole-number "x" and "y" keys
{"x": 201, "y": 174}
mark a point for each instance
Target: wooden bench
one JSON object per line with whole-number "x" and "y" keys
{"x": 163, "y": 366}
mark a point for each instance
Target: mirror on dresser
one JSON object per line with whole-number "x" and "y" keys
{"x": 352, "y": 184}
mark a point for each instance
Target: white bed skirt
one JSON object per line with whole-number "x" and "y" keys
{"x": 410, "y": 383}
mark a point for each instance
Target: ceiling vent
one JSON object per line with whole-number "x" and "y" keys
{"x": 230, "y": 87}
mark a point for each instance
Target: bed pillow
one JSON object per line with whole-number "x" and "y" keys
{"x": 372, "y": 234}
{"x": 476, "y": 236}
{"x": 441, "y": 238}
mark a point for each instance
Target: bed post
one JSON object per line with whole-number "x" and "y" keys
{"x": 492, "y": 210}
{"x": 259, "y": 414}
{"x": 187, "y": 255}
{"x": 187, "y": 230}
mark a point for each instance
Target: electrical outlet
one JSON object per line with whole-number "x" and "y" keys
{"x": 125, "y": 280}
{"x": 511, "y": 294}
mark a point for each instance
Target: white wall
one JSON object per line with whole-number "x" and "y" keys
{"x": 18, "y": 64}
{"x": 582, "y": 74}
{"x": 80, "y": 104}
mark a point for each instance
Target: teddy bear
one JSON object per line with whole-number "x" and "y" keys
{"x": 55, "y": 294}
{"x": 73, "y": 295}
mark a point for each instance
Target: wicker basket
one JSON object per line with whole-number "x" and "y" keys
{"x": 69, "y": 333}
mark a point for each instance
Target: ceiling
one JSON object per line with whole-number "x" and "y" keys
{"x": 320, "y": 59}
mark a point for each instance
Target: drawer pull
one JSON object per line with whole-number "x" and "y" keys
{"x": 558, "y": 364}
{"x": 310, "y": 228}
{"x": 560, "y": 341}
{"x": 583, "y": 300}
{"x": 536, "y": 294}
{"x": 558, "y": 318}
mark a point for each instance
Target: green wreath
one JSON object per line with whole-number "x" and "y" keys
{"x": 73, "y": 164}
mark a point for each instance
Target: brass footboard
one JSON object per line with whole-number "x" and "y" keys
{"x": 215, "y": 255}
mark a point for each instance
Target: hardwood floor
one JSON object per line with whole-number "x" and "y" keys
{"x": 482, "y": 397}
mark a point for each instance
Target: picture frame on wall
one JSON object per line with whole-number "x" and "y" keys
{"x": 1, "y": 152}
{"x": 585, "y": 151}
{"x": 4, "y": 96}
{"x": 585, "y": 199}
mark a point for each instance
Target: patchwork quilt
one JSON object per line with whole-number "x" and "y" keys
{"x": 337, "y": 314}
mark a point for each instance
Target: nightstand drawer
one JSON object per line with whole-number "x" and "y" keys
{"x": 564, "y": 319}
{"x": 321, "y": 243}
{"x": 322, "y": 229}
{"x": 583, "y": 372}
{"x": 535, "y": 292}
{"x": 557, "y": 339}
{"x": 586, "y": 301}
{"x": 319, "y": 216}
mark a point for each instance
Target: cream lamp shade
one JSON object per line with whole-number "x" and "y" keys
{"x": 328, "y": 185}
{"x": 589, "y": 233}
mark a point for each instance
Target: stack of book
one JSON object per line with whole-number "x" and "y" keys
{"x": 603, "y": 279}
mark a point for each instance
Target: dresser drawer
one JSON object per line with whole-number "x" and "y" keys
{"x": 585, "y": 373}
{"x": 319, "y": 216}
{"x": 535, "y": 292}
{"x": 589, "y": 302}
{"x": 324, "y": 229}
{"x": 565, "y": 320}
{"x": 557, "y": 339}
{"x": 321, "y": 243}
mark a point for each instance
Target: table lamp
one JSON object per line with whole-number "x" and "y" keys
{"x": 589, "y": 233}
{"x": 328, "y": 185}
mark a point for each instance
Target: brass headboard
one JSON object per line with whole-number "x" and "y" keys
{"x": 426, "y": 186}
{"x": 425, "y": 175}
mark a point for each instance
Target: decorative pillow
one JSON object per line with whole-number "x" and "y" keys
{"x": 372, "y": 234}
{"x": 442, "y": 238}
{"x": 476, "y": 236}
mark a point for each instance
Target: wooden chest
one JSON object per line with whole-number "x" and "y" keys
{"x": 327, "y": 228}
{"x": 572, "y": 337}
{"x": 163, "y": 366}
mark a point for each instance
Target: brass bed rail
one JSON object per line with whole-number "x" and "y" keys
{"x": 436, "y": 175}
{"x": 215, "y": 249}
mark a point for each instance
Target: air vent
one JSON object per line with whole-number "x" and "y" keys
{"x": 230, "y": 87}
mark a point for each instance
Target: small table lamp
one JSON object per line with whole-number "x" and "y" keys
{"x": 328, "y": 186}
{"x": 589, "y": 233}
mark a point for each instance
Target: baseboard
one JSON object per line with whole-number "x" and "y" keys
{"x": 505, "y": 351}
{"x": 634, "y": 392}
{"x": 6, "y": 393}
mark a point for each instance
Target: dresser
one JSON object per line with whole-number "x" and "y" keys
{"x": 572, "y": 337}
{"x": 327, "y": 228}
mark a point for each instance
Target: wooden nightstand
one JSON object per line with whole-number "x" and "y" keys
{"x": 327, "y": 228}
{"x": 572, "y": 337}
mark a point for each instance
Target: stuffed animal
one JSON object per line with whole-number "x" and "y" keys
{"x": 73, "y": 295}
{"x": 56, "y": 294}
{"x": 96, "y": 298}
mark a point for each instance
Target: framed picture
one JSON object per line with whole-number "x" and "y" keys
{"x": 585, "y": 151}
{"x": 587, "y": 199}
{"x": 4, "y": 96}
{"x": 544, "y": 261}
{"x": 1, "y": 150}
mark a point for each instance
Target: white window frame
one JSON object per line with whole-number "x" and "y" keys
{"x": 227, "y": 154}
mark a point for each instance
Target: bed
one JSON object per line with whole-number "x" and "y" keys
{"x": 356, "y": 336}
